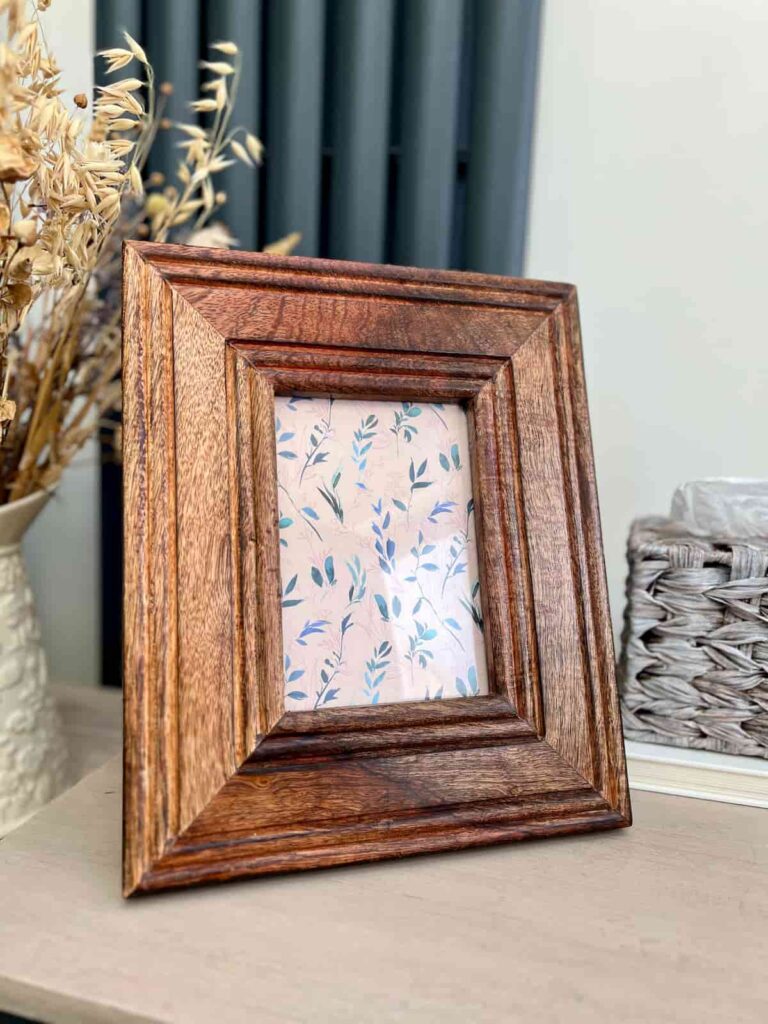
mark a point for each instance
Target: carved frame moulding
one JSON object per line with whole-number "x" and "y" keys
{"x": 221, "y": 779}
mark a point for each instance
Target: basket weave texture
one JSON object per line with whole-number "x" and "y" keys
{"x": 694, "y": 666}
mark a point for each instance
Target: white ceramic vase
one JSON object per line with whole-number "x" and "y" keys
{"x": 32, "y": 751}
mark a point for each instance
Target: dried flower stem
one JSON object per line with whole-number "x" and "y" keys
{"x": 70, "y": 193}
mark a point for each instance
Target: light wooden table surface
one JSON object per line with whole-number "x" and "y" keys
{"x": 91, "y": 717}
{"x": 667, "y": 921}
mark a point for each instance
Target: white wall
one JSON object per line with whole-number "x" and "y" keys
{"x": 62, "y": 547}
{"x": 649, "y": 193}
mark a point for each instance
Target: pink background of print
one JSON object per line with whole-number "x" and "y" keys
{"x": 353, "y": 632}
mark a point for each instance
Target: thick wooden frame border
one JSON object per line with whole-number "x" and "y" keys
{"x": 219, "y": 781}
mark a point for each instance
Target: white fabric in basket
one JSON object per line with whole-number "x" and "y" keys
{"x": 723, "y": 507}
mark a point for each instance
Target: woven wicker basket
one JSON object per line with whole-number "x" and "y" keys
{"x": 694, "y": 665}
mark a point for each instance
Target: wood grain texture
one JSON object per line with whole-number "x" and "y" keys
{"x": 220, "y": 780}
{"x": 267, "y": 619}
{"x": 151, "y": 654}
{"x": 518, "y": 563}
{"x": 549, "y": 517}
{"x": 206, "y": 719}
{"x": 491, "y": 534}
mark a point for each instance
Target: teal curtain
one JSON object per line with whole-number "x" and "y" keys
{"x": 395, "y": 130}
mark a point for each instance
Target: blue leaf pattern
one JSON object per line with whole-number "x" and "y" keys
{"x": 379, "y": 569}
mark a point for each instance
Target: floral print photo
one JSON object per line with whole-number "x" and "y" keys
{"x": 378, "y": 557}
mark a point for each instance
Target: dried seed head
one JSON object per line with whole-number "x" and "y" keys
{"x": 136, "y": 50}
{"x": 135, "y": 179}
{"x": 25, "y": 231}
{"x": 126, "y": 85}
{"x": 217, "y": 165}
{"x": 214, "y": 236}
{"x": 156, "y": 202}
{"x": 7, "y": 406}
{"x": 192, "y": 129}
{"x": 124, "y": 124}
{"x": 19, "y": 294}
{"x": 254, "y": 146}
{"x": 116, "y": 59}
{"x": 16, "y": 162}
{"x": 204, "y": 105}
{"x": 30, "y": 260}
{"x": 240, "y": 152}
{"x": 218, "y": 67}
{"x": 284, "y": 246}
{"x": 67, "y": 180}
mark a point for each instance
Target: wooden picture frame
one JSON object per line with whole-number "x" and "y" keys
{"x": 220, "y": 781}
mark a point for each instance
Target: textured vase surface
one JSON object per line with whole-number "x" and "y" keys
{"x": 32, "y": 750}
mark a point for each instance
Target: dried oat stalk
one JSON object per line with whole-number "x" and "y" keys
{"x": 71, "y": 189}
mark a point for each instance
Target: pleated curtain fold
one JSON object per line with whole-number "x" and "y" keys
{"x": 394, "y": 130}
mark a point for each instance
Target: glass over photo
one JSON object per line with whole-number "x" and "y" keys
{"x": 378, "y": 553}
